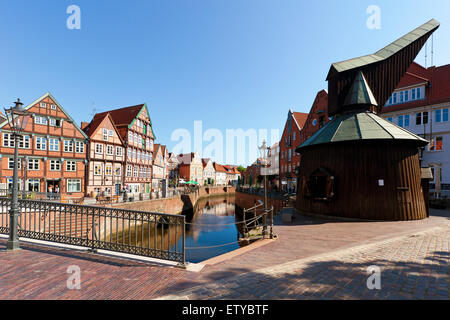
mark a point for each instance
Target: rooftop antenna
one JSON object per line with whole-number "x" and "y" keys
{"x": 426, "y": 54}
{"x": 432, "y": 49}
{"x": 94, "y": 110}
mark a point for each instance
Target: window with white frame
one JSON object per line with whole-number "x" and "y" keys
{"x": 134, "y": 154}
{"x": 43, "y": 105}
{"x": 68, "y": 146}
{"x": 97, "y": 170}
{"x": 130, "y": 137}
{"x": 40, "y": 120}
{"x": 129, "y": 153}
{"x": 53, "y": 144}
{"x": 135, "y": 138}
{"x": 441, "y": 115}
{"x": 135, "y": 172}
{"x": 8, "y": 140}
{"x": 11, "y": 163}
{"x": 55, "y": 122}
{"x": 110, "y": 133}
{"x": 33, "y": 164}
{"x": 118, "y": 171}
{"x": 119, "y": 151}
{"x": 422, "y": 118}
{"x": 129, "y": 170}
{"x": 79, "y": 146}
{"x": 41, "y": 143}
{"x": 53, "y": 106}
{"x": 24, "y": 142}
{"x": 34, "y": 185}
{"x": 108, "y": 170}
{"x": 105, "y": 134}
{"x": 98, "y": 148}
{"x": 110, "y": 150}
{"x": 71, "y": 166}
{"x": 55, "y": 165}
{"x": 73, "y": 185}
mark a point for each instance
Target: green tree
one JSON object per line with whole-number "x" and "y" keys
{"x": 241, "y": 169}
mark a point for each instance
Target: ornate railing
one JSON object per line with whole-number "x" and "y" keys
{"x": 155, "y": 235}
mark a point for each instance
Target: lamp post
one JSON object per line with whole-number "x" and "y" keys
{"x": 263, "y": 150}
{"x": 17, "y": 120}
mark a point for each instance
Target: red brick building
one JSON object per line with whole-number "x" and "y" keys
{"x": 52, "y": 151}
{"x": 290, "y": 140}
{"x": 317, "y": 117}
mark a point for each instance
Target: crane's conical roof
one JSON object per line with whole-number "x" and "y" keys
{"x": 360, "y": 126}
{"x": 360, "y": 93}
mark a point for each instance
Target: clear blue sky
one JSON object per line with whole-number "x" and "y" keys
{"x": 230, "y": 63}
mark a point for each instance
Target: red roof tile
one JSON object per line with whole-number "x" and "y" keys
{"x": 438, "y": 90}
{"x": 300, "y": 118}
{"x": 124, "y": 116}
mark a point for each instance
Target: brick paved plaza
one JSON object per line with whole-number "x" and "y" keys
{"x": 312, "y": 259}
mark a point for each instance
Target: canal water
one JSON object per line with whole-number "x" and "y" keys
{"x": 211, "y": 229}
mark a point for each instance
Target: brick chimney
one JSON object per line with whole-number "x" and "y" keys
{"x": 84, "y": 125}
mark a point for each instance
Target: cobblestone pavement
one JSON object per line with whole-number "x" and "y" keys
{"x": 412, "y": 267}
{"x": 313, "y": 258}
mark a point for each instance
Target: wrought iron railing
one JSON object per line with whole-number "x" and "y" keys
{"x": 258, "y": 217}
{"x": 155, "y": 235}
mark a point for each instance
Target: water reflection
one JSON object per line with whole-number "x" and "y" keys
{"x": 212, "y": 224}
{"x": 211, "y": 230}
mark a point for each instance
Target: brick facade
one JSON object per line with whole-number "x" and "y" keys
{"x": 52, "y": 155}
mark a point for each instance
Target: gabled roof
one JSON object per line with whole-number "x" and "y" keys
{"x": 95, "y": 123}
{"x": 48, "y": 94}
{"x": 219, "y": 167}
{"x": 300, "y": 119}
{"x": 186, "y": 158}
{"x": 411, "y": 79}
{"x": 357, "y": 127}
{"x": 205, "y": 161}
{"x": 126, "y": 116}
{"x": 437, "y": 87}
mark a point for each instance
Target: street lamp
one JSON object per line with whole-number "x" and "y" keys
{"x": 264, "y": 150}
{"x": 17, "y": 121}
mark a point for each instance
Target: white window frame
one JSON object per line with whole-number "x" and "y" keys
{"x": 108, "y": 170}
{"x": 71, "y": 166}
{"x": 79, "y": 147}
{"x": 41, "y": 143}
{"x": 119, "y": 151}
{"x": 99, "y": 171}
{"x": 99, "y": 148}
{"x": 68, "y": 146}
{"x": 53, "y": 143}
{"x": 105, "y": 134}
{"x": 56, "y": 164}
{"x": 73, "y": 185}
{"x": 110, "y": 150}
{"x": 11, "y": 164}
{"x": 34, "y": 164}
